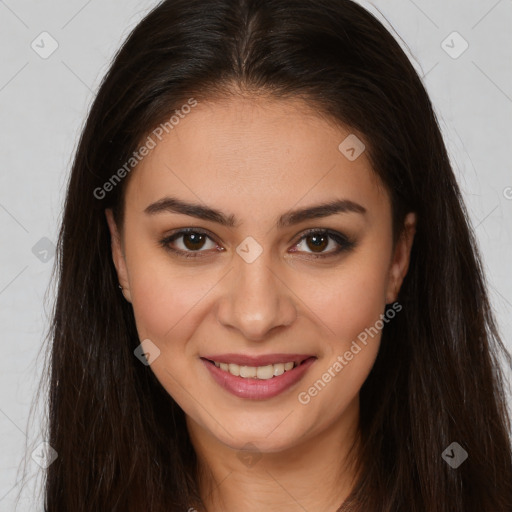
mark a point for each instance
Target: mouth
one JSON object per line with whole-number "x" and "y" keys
{"x": 262, "y": 372}
{"x": 257, "y": 378}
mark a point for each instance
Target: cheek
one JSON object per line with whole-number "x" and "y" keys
{"x": 353, "y": 298}
{"x": 164, "y": 298}
{"x": 351, "y": 307}
{"x": 168, "y": 308}
{"x": 164, "y": 311}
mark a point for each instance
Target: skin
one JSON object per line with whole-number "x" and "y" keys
{"x": 256, "y": 159}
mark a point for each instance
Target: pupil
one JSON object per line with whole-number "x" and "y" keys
{"x": 193, "y": 240}
{"x": 319, "y": 242}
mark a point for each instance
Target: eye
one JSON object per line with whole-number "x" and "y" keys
{"x": 317, "y": 240}
{"x": 191, "y": 241}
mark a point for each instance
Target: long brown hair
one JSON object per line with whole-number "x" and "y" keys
{"x": 122, "y": 440}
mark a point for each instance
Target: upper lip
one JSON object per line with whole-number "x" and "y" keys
{"x": 246, "y": 360}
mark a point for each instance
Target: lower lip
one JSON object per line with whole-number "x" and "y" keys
{"x": 258, "y": 389}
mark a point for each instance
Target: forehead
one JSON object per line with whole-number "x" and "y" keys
{"x": 257, "y": 154}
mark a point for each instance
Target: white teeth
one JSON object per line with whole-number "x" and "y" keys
{"x": 278, "y": 369}
{"x": 248, "y": 371}
{"x": 265, "y": 372}
{"x": 234, "y": 369}
{"x": 256, "y": 372}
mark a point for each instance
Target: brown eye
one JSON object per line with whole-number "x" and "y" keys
{"x": 189, "y": 243}
{"x": 315, "y": 243}
{"x": 194, "y": 241}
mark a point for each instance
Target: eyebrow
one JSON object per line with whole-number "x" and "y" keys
{"x": 173, "y": 205}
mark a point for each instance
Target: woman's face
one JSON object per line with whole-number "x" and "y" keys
{"x": 267, "y": 275}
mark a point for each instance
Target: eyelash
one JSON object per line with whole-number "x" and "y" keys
{"x": 344, "y": 243}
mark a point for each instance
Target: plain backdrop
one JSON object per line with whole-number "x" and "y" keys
{"x": 43, "y": 105}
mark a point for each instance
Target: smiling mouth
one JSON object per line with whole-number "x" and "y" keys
{"x": 265, "y": 372}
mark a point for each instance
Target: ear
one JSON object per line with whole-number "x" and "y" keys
{"x": 401, "y": 258}
{"x": 118, "y": 254}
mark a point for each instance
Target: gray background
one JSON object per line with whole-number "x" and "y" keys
{"x": 43, "y": 104}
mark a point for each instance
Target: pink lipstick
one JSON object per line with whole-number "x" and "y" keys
{"x": 257, "y": 377}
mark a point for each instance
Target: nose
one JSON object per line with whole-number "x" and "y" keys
{"x": 255, "y": 300}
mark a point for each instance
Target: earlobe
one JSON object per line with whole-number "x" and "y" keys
{"x": 118, "y": 255}
{"x": 401, "y": 258}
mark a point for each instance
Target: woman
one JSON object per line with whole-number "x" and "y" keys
{"x": 270, "y": 296}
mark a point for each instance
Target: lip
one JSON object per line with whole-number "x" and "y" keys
{"x": 258, "y": 389}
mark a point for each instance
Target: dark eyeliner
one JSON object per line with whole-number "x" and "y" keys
{"x": 166, "y": 241}
{"x": 344, "y": 243}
